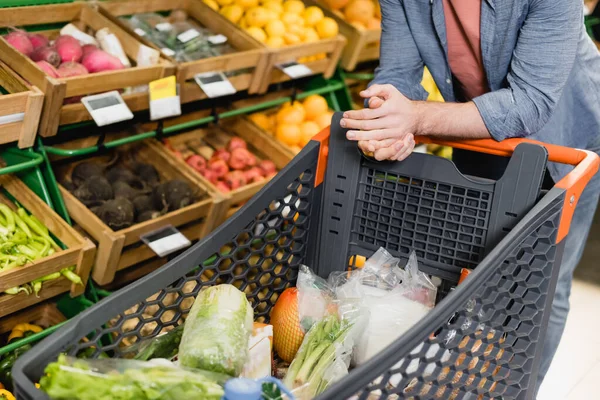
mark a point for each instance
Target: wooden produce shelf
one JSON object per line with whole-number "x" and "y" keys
{"x": 20, "y": 109}
{"x": 250, "y": 60}
{"x": 121, "y": 249}
{"x": 44, "y": 315}
{"x": 362, "y": 44}
{"x": 55, "y": 112}
{"x": 79, "y": 252}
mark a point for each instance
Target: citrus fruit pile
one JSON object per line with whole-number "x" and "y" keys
{"x": 295, "y": 124}
{"x": 363, "y": 14}
{"x": 277, "y": 23}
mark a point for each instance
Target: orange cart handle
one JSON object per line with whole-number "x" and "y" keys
{"x": 586, "y": 165}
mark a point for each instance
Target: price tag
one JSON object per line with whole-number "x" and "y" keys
{"x": 164, "y": 27}
{"x": 140, "y": 31}
{"x": 295, "y": 70}
{"x": 164, "y": 100}
{"x": 188, "y": 35}
{"x": 165, "y": 241}
{"x": 214, "y": 84}
{"x": 10, "y": 118}
{"x": 167, "y": 52}
{"x": 107, "y": 108}
{"x": 217, "y": 39}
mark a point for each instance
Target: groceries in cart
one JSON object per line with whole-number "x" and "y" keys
{"x": 318, "y": 331}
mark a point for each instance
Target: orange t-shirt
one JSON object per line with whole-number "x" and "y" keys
{"x": 463, "y": 21}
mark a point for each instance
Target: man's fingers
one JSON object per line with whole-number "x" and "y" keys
{"x": 384, "y": 154}
{"x": 365, "y": 124}
{"x": 373, "y": 145}
{"x": 377, "y": 134}
{"x": 406, "y": 148}
{"x": 375, "y": 102}
{"x": 365, "y": 113}
{"x": 383, "y": 91}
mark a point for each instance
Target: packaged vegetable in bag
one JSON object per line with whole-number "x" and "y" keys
{"x": 75, "y": 379}
{"x": 394, "y": 299}
{"x": 217, "y": 331}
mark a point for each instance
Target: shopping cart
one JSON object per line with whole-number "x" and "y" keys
{"x": 483, "y": 340}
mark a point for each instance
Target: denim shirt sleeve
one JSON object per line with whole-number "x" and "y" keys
{"x": 541, "y": 63}
{"x": 400, "y": 63}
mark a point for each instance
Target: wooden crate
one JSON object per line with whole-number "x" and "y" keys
{"x": 261, "y": 145}
{"x": 44, "y": 315}
{"x": 362, "y": 45}
{"x": 250, "y": 54}
{"x": 80, "y": 252}
{"x": 118, "y": 250}
{"x": 22, "y": 98}
{"x": 54, "y": 112}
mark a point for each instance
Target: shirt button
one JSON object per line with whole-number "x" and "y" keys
{"x": 448, "y": 81}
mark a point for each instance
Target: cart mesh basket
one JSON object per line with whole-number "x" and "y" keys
{"x": 483, "y": 340}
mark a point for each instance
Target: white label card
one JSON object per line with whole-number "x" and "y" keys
{"x": 217, "y": 39}
{"x": 107, "y": 108}
{"x": 188, "y": 35}
{"x": 295, "y": 70}
{"x": 164, "y": 27}
{"x": 214, "y": 84}
{"x": 167, "y": 52}
{"x": 165, "y": 241}
{"x": 140, "y": 31}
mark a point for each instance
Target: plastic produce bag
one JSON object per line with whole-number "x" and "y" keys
{"x": 315, "y": 298}
{"x": 394, "y": 299}
{"x": 75, "y": 379}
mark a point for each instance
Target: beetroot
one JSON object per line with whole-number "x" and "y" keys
{"x": 235, "y": 179}
{"x": 48, "y": 69}
{"x": 88, "y": 49}
{"x": 236, "y": 143}
{"x": 68, "y": 48}
{"x": 20, "y": 41}
{"x": 69, "y": 69}
{"x": 99, "y": 60}
{"x": 267, "y": 166}
{"x": 47, "y": 54}
{"x": 38, "y": 40}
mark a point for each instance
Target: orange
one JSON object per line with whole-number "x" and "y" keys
{"x": 324, "y": 120}
{"x": 308, "y": 129}
{"x": 337, "y": 4}
{"x": 374, "y": 23}
{"x": 291, "y": 114}
{"x": 293, "y": 6}
{"x": 360, "y": 11}
{"x": 212, "y": 4}
{"x": 287, "y": 331}
{"x": 327, "y": 28}
{"x": 288, "y": 134}
{"x": 246, "y": 4}
{"x": 275, "y": 28}
{"x": 359, "y": 25}
{"x": 261, "y": 120}
{"x": 232, "y": 12}
{"x": 377, "y": 10}
{"x": 257, "y": 16}
{"x": 314, "y": 106}
{"x": 312, "y": 15}
{"x": 257, "y": 33}
{"x": 275, "y": 42}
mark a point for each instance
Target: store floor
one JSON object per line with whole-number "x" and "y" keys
{"x": 575, "y": 371}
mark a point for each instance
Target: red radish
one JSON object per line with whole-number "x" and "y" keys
{"x": 99, "y": 60}
{"x": 197, "y": 162}
{"x": 211, "y": 176}
{"x": 267, "y": 167}
{"x": 88, "y": 49}
{"x": 222, "y": 154}
{"x": 69, "y": 69}
{"x": 235, "y": 179}
{"x": 48, "y": 68}
{"x": 38, "y": 40}
{"x": 46, "y": 54}
{"x": 68, "y": 48}
{"x": 20, "y": 41}
{"x": 236, "y": 143}
{"x": 222, "y": 186}
{"x": 220, "y": 167}
{"x": 241, "y": 158}
{"x": 254, "y": 174}
{"x": 251, "y": 160}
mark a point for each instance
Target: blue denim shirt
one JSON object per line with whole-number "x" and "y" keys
{"x": 542, "y": 68}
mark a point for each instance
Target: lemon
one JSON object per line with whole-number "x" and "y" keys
{"x": 232, "y": 12}
{"x": 257, "y": 33}
{"x": 327, "y": 28}
{"x": 224, "y": 2}
{"x": 312, "y": 15}
{"x": 275, "y": 42}
{"x": 293, "y": 6}
{"x": 290, "y": 38}
{"x": 310, "y": 35}
{"x": 292, "y": 19}
{"x": 273, "y": 5}
{"x": 275, "y": 28}
{"x": 246, "y": 4}
{"x": 257, "y": 16}
{"x": 212, "y": 4}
